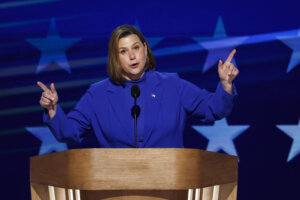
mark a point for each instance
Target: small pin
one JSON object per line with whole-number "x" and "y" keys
{"x": 153, "y": 95}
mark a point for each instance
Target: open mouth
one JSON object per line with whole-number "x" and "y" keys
{"x": 134, "y": 65}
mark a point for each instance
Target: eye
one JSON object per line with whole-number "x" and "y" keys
{"x": 137, "y": 47}
{"x": 122, "y": 51}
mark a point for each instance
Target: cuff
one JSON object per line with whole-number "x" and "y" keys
{"x": 46, "y": 118}
{"x": 225, "y": 93}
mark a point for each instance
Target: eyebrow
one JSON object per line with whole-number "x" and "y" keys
{"x": 131, "y": 45}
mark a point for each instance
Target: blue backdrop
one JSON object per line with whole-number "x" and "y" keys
{"x": 66, "y": 42}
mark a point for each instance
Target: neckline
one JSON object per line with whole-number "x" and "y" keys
{"x": 138, "y": 81}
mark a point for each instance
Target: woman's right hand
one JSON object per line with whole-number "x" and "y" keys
{"x": 49, "y": 98}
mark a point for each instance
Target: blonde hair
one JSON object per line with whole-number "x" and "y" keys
{"x": 114, "y": 68}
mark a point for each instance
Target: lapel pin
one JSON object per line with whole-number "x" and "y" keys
{"x": 153, "y": 95}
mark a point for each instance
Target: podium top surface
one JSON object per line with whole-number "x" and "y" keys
{"x": 133, "y": 169}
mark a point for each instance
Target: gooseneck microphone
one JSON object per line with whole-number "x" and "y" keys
{"x": 135, "y": 92}
{"x": 135, "y": 110}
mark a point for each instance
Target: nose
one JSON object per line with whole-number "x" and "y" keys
{"x": 131, "y": 55}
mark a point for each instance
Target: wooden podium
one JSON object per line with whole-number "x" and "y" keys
{"x": 134, "y": 174}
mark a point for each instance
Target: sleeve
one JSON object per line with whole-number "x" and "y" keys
{"x": 207, "y": 106}
{"x": 72, "y": 126}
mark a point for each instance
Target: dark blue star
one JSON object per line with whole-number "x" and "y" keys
{"x": 49, "y": 142}
{"x": 151, "y": 40}
{"x": 293, "y": 131}
{"x": 219, "y": 46}
{"x": 53, "y": 49}
{"x": 294, "y": 44}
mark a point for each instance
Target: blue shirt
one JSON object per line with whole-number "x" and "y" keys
{"x": 165, "y": 101}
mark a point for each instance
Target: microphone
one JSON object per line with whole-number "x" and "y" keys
{"x": 135, "y": 110}
{"x": 135, "y": 91}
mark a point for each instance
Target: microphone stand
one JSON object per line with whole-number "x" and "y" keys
{"x": 135, "y": 110}
{"x": 135, "y": 123}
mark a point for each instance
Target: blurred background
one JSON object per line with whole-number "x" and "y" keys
{"x": 66, "y": 42}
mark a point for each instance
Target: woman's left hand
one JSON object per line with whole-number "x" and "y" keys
{"x": 227, "y": 72}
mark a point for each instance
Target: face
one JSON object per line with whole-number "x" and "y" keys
{"x": 132, "y": 57}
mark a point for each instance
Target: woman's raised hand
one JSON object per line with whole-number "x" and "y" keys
{"x": 227, "y": 72}
{"x": 49, "y": 98}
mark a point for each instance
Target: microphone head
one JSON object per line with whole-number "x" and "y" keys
{"x": 135, "y": 111}
{"x": 135, "y": 91}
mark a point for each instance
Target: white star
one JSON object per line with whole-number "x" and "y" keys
{"x": 219, "y": 46}
{"x": 49, "y": 142}
{"x": 294, "y": 44}
{"x": 53, "y": 49}
{"x": 293, "y": 131}
{"x": 221, "y": 136}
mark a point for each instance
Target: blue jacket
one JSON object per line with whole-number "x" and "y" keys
{"x": 165, "y": 101}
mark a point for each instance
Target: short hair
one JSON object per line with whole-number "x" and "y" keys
{"x": 114, "y": 68}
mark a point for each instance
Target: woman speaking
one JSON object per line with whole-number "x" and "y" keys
{"x": 138, "y": 106}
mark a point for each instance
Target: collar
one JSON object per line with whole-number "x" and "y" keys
{"x": 149, "y": 75}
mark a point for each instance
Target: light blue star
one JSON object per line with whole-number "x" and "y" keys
{"x": 151, "y": 40}
{"x": 49, "y": 142}
{"x": 293, "y": 131}
{"x": 221, "y": 136}
{"x": 219, "y": 46}
{"x": 53, "y": 49}
{"x": 294, "y": 44}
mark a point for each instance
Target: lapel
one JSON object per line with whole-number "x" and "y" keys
{"x": 117, "y": 104}
{"x": 152, "y": 104}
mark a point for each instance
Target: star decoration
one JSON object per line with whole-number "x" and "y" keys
{"x": 293, "y": 131}
{"x": 221, "y": 136}
{"x": 49, "y": 142}
{"x": 294, "y": 44}
{"x": 151, "y": 40}
{"x": 219, "y": 46}
{"x": 53, "y": 49}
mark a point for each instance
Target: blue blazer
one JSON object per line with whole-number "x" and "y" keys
{"x": 165, "y": 101}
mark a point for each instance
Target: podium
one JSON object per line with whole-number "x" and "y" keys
{"x": 134, "y": 174}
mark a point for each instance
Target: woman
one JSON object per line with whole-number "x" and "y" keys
{"x": 165, "y": 99}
